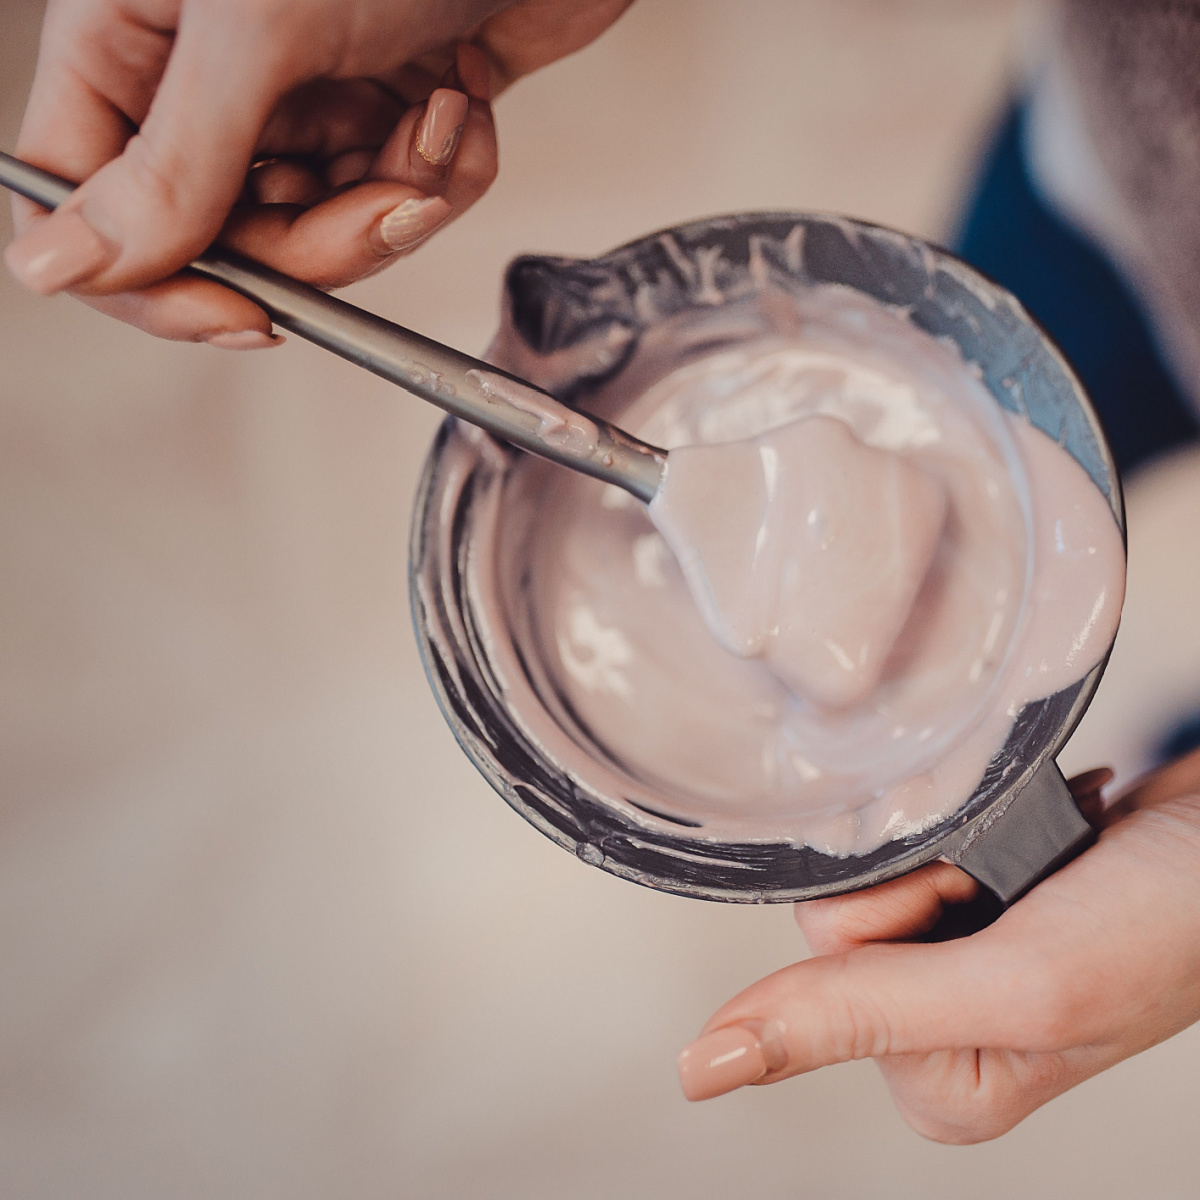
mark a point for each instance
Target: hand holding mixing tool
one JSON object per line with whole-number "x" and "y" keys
{"x": 1019, "y": 825}
{"x": 446, "y": 377}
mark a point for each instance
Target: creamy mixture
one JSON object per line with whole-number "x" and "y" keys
{"x": 892, "y": 565}
{"x": 805, "y": 548}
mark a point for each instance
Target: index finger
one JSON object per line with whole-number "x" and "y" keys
{"x": 80, "y": 113}
{"x": 148, "y": 211}
{"x": 879, "y": 1000}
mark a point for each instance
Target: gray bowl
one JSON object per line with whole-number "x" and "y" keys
{"x": 1020, "y": 823}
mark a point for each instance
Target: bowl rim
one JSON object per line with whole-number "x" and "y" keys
{"x": 1064, "y": 710}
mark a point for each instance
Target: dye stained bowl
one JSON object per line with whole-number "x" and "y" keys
{"x": 1020, "y": 823}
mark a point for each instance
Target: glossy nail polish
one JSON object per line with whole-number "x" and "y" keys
{"x": 719, "y": 1062}
{"x": 245, "y": 339}
{"x": 437, "y": 139}
{"x": 412, "y": 222}
{"x": 57, "y": 252}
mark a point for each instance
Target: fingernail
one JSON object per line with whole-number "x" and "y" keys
{"x": 437, "y": 139}
{"x": 57, "y": 252}
{"x": 412, "y": 222}
{"x": 245, "y": 339}
{"x": 719, "y": 1062}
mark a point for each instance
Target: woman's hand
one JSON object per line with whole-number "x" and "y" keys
{"x": 367, "y": 124}
{"x": 1098, "y": 962}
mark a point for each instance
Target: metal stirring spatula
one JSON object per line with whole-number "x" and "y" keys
{"x": 510, "y": 408}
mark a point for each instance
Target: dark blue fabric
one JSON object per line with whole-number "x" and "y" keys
{"x": 1073, "y": 290}
{"x": 1185, "y": 737}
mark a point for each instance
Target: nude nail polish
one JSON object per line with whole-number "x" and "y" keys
{"x": 57, "y": 252}
{"x": 437, "y": 139}
{"x": 412, "y": 222}
{"x": 719, "y": 1062}
{"x": 245, "y": 339}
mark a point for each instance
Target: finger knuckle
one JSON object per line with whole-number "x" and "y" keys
{"x": 151, "y": 174}
{"x": 856, "y": 1028}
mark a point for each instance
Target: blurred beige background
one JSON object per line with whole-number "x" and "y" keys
{"x": 263, "y": 931}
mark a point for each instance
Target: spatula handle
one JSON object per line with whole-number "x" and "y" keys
{"x": 456, "y": 382}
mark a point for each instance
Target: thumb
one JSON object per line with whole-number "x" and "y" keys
{"x": 878, "y": 1000}
{"x": 155, "y": 207}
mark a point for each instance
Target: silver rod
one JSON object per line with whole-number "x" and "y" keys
{"x": 512, "y": 409}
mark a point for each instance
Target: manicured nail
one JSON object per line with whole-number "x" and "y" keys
{"x": 412, "y": 222}
{"x": 437, "y": 139}
{"x": 719, "y": 1062}
{"x": 245, "y": 339}
{"x": 57, "y": 252}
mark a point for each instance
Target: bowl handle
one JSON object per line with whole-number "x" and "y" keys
{"x": 1040, "y": 830}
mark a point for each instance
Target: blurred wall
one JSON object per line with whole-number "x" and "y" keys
{"x": 264, "y": 932}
